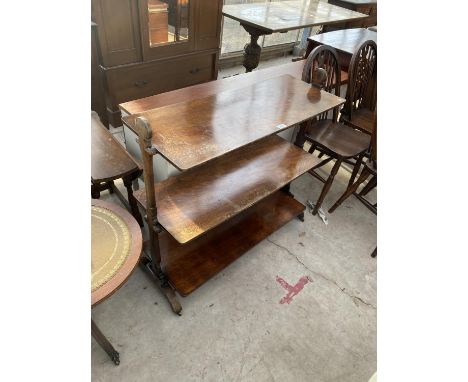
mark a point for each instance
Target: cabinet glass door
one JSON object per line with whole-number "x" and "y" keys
{"x": 168, "y": 21}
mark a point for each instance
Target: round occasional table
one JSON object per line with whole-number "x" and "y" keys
{"x": 116, "y": 244}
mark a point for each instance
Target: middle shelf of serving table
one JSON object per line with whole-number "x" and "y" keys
{"x": 203, "y": 197}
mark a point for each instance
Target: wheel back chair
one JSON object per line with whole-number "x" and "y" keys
{"x": 335, "y": 140}
{"x": 360, "y": 109}
{"x": 369, "y": 169}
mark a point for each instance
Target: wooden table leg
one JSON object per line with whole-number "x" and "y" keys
{"x": 127, "y": 181}
{"x": 153, "y": 265}
{"x": 252, "y": 50}
{"x": 104, "y": 343}
{"x": 95, "y": 191}
{"x": 299, "y": 142}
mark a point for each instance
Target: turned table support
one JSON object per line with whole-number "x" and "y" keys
{"x": 252, "y": 50}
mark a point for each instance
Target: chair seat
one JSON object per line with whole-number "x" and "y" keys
{"x": 362, "y": 119}
{"x": 340, "y": 139}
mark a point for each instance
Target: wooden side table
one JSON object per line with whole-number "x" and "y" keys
{"x": 116, "y": 243}
{"x": 110, "y": 161}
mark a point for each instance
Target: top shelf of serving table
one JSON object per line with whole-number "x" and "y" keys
{"x": 191, "y": 133}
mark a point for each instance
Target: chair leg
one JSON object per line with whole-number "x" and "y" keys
{"x": 327, "y": 186}
{"x": 369, "y": 186}
{"x": 351, "y": 189}
{"x": 110, "y": 186}
{"x": 356, "y": 168}
{"x": 95, "y": 191}
{"x": 132, "y": 201}
{"x": 104, "y": 343}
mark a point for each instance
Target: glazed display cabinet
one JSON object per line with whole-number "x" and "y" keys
{"x": 147, "y": 47}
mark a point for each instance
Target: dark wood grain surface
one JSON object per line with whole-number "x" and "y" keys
{"x": 198, "y": 200}
{"x": 191, "y": 133}
{"x": 345, "y": 40}
{"x": 340, "y": 139}
{"x": 209, "y": 88}
{"x": 109, "y": 160}
{"x": 188, "y": 266}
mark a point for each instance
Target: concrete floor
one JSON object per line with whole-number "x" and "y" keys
{"x": 233, "y": 328}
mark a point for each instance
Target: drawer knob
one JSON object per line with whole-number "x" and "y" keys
{"x": 194, "y": 71}
{"x": 140, "y": 84}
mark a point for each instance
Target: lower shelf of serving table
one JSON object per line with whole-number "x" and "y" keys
{"x": 188, "y": 266}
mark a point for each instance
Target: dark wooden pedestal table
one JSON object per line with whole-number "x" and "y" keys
{"x": 272, "y": 17}
{"x": 232, "y": 191}
{"x": 116, "y": 244}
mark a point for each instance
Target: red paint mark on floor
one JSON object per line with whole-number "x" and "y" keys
{"x": 292, "y": 290}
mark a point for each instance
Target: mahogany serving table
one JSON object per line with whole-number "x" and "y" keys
{"x": 271, "y": 17}
{"x": 233, "y": 189}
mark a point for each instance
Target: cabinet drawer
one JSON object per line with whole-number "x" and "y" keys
{"x": 130, "y": 83}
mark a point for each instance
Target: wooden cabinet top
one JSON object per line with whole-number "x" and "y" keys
{"x": 288, "y": 15}
{"x": 191, "y": 133}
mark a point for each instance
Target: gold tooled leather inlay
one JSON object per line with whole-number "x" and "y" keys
{"x": 110, "y": 245}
